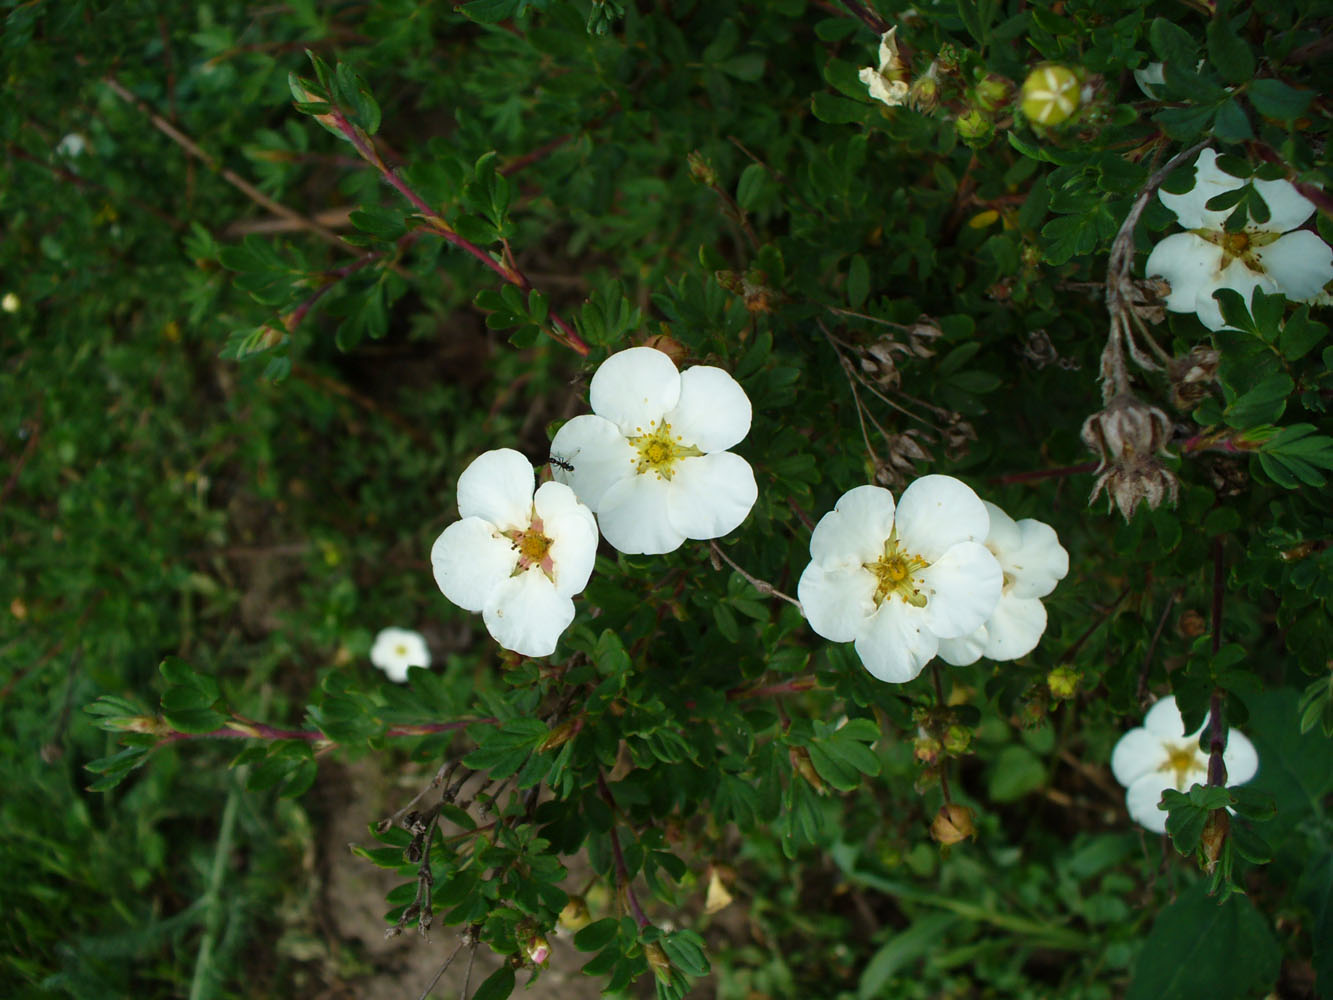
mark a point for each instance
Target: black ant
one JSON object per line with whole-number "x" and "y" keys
{"x": 561, "y": 463}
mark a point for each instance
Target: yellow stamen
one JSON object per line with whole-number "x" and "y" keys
{"x": 659, "y": 450}
{"x": 894, "y": 571}
{"x": 1183, "y": 760}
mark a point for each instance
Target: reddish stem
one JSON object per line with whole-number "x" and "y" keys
{"x": 1064, "y": 470}
{"x": 243, "y": 730}
{"x": 622, "y": 869}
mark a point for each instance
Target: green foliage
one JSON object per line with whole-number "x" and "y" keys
{"x": 278, "y": 275}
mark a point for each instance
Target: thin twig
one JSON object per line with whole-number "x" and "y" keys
{"x": 622, "y": 870}
{"x": 1105, "y": 616}
{"x": 243, "y": 729}
{"x": 230, "y": 176}
{"x": 763, "y": 586}
{"x": 1141, "y": 694}
{"x": 442, "y": 970}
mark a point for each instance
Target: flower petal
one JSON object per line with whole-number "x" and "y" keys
{"x": 599, "y": 454}
{"x": 1240, "y": 757}
{"x": 837, "y": 601}
{"x": 713, "y": 412}
{"x": 1015, "y": 628}
{"x": 635, "y": 516}
{"x": 526, "y": 615}
{"x": 573, "y": 533}
{"x": 711, "y": 495}
{"x": 635, "y": 388}
{"x": 855, "y": 530}
{"x": 497, "y": 486}
{"x": 935, "y": 513}
{"x": 1137, "y": 753}
{"x": 1300, "y": 264}
{"x": 1236, "y": 276}
{"x": 1164, "y": 721}
{"x": 896, "y": 645}
{"x": 471, "y": 559}
{"x": 962, "y": 589}
{"x": 1036, "y": 564}
{"x": 963, "y": 650}
{"x": 1287, "y": 207}
{"x": 1209, "y": 182}
{"x": 1142, "y": 798}
{"x": 1190, "y": 264}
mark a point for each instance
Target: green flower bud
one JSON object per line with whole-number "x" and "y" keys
{"x": 974, "y": 127}
{"x": 993, "y": 92}
{"x": 1050, "y": 94}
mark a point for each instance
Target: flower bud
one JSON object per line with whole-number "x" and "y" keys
{"x": 536, "y": 947}
{"x": 1050, "y": 94}
{"x": 1063, "y": 682}
{"x": 924, "y": 94}
{"x": 10, "y": 303}
{"x": 974, "y": 127}
{"x": 956, "y": 740}
{"x": 701, "y": 170}
{"x": 1191, "y": 624}
{"x": 668, "y": 345}
{"x": 993, "y": 92}
{"x": 800, "y": 761}
{"x": 562, "y": 734}
{"x": 1213, "y": 838}
{"x": 953, "y": 823}
{"x": 658, "y": 961}
{"x": 927, "y": 749}
{"x": 575, "y": 915}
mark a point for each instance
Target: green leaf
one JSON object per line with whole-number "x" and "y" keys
{"x": 1263, "y": 404}
{"x": 1016, "y": 772}
{"x": 748, "y": 66}
{"x": 490, "y": 11}
{"x": 1198, "y": 948}
{"x": 597, "y": 935}
{"x": 1172, "y": 43}
{"x": 858, "y": 281}
{"x": 1229, "y": 55}
{"x": 1184, "y": 124}
{"x": 904, "y": 948}
{"x": 1275, "y": 99}
{"x": 836, "y": 110}
{"x": 500, "y": 983}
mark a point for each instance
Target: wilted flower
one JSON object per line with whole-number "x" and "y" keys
{"x": 887, "y": 83}
{"x": 651, "y": 460}
{"x": 396, "y": 649}
{"x": 1050, "y": 94}
{"x": 1161, "y": 755}
{"x": 1033, "y": 562}
{"x": 1127, "y": 436}
{"x": 953, "y": 824}
{"x": 517, "y": 557}
{"x": 1191, "y": 376}
{"x": 897, "y": 580}
{"x": 1199, "y": 262}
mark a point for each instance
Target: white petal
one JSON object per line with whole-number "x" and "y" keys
{"x": 635, "y": 388}
{"x": 710, "y": 495}
{"x": 1141, "y": 801}
{"x": 397, "y": 649}
{"x": 1164, "y": 721}
{"x": 635, "y": 516}
{"x": 837, "y": 602}
{"x": 713, "y": 412}
{"x": 599, "y": 454}
{"x": 962, "y": 589}
{"x": 935, "y": 513}
{"x": 1137, "y": 753}
{"x": 1240, "y": 758}
{"x": 1209, "y": 182}
{"x": 1190, "y": 264}
{"x": 526, "y": 615}
{"x": 1003, "y": 535}
{"x": 896, "y": 645}
{"x": 1287, "y": 207}
{"x": 1301, "y": 264}
{"x": 573, "y": 533}
{"x": 497, "y": 486}
{"x": 855, "y": 530}
{"x": 471, "y": 559}
{"x": 963, "y": 650}
{"x": 1151, "y": 80}
{"x": 1015, "y": 628}
{"x": 1037, "y": 564}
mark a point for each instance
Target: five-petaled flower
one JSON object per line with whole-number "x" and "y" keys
{"x": 1207, "y": 258}
{"x": 396, "y": 649}
{"x": 887, "y": 83}
{"x": 517, "y": 557}
{"x": 898, "y": 579}
{"x": 1033, "y": 562}
{"x": 651, "y": 460}
{"x": 1161, "y": 755}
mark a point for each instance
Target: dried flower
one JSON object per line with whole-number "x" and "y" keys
{"x": 1191, "y": 376}
{"x": 1127, "y": 436}
{"x": 953, "y": 823}
{"x": 887, "y": 83}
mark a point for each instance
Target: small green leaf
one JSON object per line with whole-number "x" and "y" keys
{"x": 1275, "y": 99}
{"x": 597, "y": 935}
{"x": 498, "y": 985}
{"x": 836, "y": 110}
{"x": 1228, "y": 53}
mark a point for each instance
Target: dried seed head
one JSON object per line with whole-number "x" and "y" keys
{"x": 953, "y": 823}
{"x": 1192, "y": 376}
{"x": 1140, "y": 480}
{"x": 1126, "y": 431}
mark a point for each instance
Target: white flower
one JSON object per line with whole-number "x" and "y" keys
{"x": 1160, "y": 755}
{"x": 651, "y": 460}
{"x": 1206, "y": 258}
{"x": 10, "y": 303}
{"x": 72, "y": 145}
{"x": 1033, "y": 562}
{"x": 517, "y": 557}
{"x": 886, "y": 83}
{"x": 396, "y": 649}
{"x": 1151, "y": 80}
{"x": 897, "y": 581}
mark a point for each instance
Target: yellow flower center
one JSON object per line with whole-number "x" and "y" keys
{"x": 894, "y": 574}
{"x": 659, "y": 450}
{"x": 533, "y": 546}
{"x": 400, "y": 651}
{"x": 1182, "y": 761}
